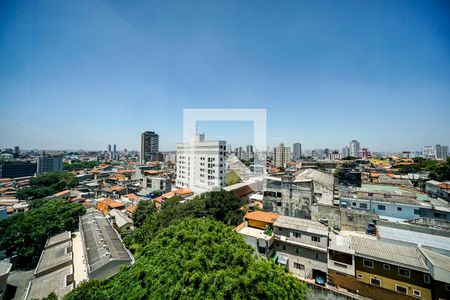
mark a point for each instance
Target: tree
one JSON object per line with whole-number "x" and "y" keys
{"x": 196, "y": 258}
{"x": 25, "y": 233}
{"x": 47, "y": 184}
{"x": 143, "y": 209}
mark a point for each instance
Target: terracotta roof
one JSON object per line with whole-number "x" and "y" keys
{"x": 125, "y": 171}
{"x": 374, "y": 174}
{"x": 111, "y": 203}
{"x": 131, "y": 209}
{"x": 62, "y": 193}
{"x": 183, "y": 192}
{"x": 78, "y": 199}
{"x": 151, "y": 172}
{"x": 133, "y": 197}
{"x": 115, "y": 188}
{"x": 263, "y": 216}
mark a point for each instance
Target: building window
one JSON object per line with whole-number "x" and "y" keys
{"x": 363, "y": 205}
{"x": 375, "y": 281}
{"x": 417, "y": 212}
{"x": 299, "y": 266}
{"x": 399, "y": 208}
{"x": 297, "y": 251}
{"x": 359, "y": 275}
{"x": 317, "y": 255}
{"x": 447, "y": 287}
{"x": 386, "y": 266}
{"x": 354, "y": 203}
{"x": 426, "y": 278}
{"x": 284, "y": 247}
{"x": 381, "y": 207}
{"x": 297, "y": 235}
{"x": 401, "y": 289}
{"x": 350, "y": 218}
{"x": 315, "y": 238}
{"x": 417, "y": 293}
{"x": 404, "y": 272}
{"x": 368, "y": 263}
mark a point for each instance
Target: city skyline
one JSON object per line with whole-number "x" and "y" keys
{"x": 326, "y": 72}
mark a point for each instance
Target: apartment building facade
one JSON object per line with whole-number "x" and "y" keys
{"x": 281, "y": 156}
{"x": 149, "y": 146}
{"x": 201, "y": 164}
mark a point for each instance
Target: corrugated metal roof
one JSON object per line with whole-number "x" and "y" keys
{"x": 405, "y": 256}
{"x": 301, "y": 225}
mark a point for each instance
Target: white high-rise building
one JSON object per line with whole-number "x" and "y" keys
{"x": 297, "y": 151}
{"x": 201, "y": 165}
{"x": 354, "y": 148}
{"x": 281, "y": 155}
{"x": 345, "y": 152}
{"x": 428, "y": 152}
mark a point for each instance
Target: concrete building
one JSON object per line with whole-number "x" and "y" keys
{"x": 59, "y": 282}
{"x": 281, "y": 155}
{"x": 149, "y": 146}
{"x": 441, "y": 152}
{"x": 102, "y": 245}
{"x": 5, "y": 269}
{"x": 17, "y": 169}
{"x": 301, "y": 245}
{"x": 249, "y": 152}
{"x": 354, "y": 148}
{"x": 157, "y": 183}
{"x": 437, "y": 189}
{"x": 201, "y": 164}
{"x": 49, "y": 164}
{"x": 345, "y": 152}
{"x": 120, "y": 221}
{"x": 293, "y": 195}
{"x": 296, "y": 151}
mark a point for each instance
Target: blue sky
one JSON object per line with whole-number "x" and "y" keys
{"x": 84, "y": 74}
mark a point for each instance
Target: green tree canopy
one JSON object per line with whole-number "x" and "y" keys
{"x": 25, "y": 233}
{"x": 47, "y": 184}
{"x": 200, "y": 259}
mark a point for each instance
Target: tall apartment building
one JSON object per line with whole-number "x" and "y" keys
{"x": 149, "y": 146}
{"x": 281, "y": 155}
{"x": 201, "y": 164}
{"x": 354, "y": 148}
{"x": 296, "y": 151}
{"x": 441, "y": 152}
{"x": 250, "y": 154}
{"x": 49, "y": 164}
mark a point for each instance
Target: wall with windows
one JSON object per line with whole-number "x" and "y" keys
{"x": 395, "y": 278}
{"x": 383, "y": 209}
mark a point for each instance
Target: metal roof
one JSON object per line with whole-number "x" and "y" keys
{"x": 58, "y": 239}
{"x": 301, "y": 225}
{"x": 395, "y": 254}
{"x": 54, "y": 257}
{"x": 102, "y": 242}
{"x": 120, "y": 218}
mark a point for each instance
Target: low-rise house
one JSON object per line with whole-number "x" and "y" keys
{"x": 301, "y": 245}
{"x": 257, "y": 230}
{"x": 439, "y": 268}
{"x": 106, "y": 204}
{"x": 120, "y": 220}
{"x": 157, "y": 183}
{"x": 438, "y": 189}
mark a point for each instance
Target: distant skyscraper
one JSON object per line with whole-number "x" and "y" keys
{"x": 428, "y": 152}
{"x": 441, "y": 152}
{"x": 239, "y": 153}
{"x": 149, "y": 146}
{"x": 115, "y": 149}
{"x": 16, "y": 150}
{"x": 281, "y": 155}
{"x": 109, "y": 148}
{"x": 345, "y": 152}
{"x": 297, "y": 151}
{"x": 354, "y": 148}
{"x": 201, "y": 165}
{"x": 49, "y": 164}
{"x": 250, "y": 154}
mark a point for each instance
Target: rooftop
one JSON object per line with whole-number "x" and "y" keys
{"x": 254, "y": 232}
{"x": 262, "y": 216}
{"x": 406, "y": 256}
{"x": 52, "y": 257}
{"x": 301, "y": 225}
{"x": 102, "y": 242}
{"x": 58, "y": 239}
{"x": 323, "y": 179}
{"x": 56, "y": 282}
{"x": 120, "y": 218}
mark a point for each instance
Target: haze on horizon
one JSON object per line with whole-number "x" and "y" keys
{"x": 85, "y": 74}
